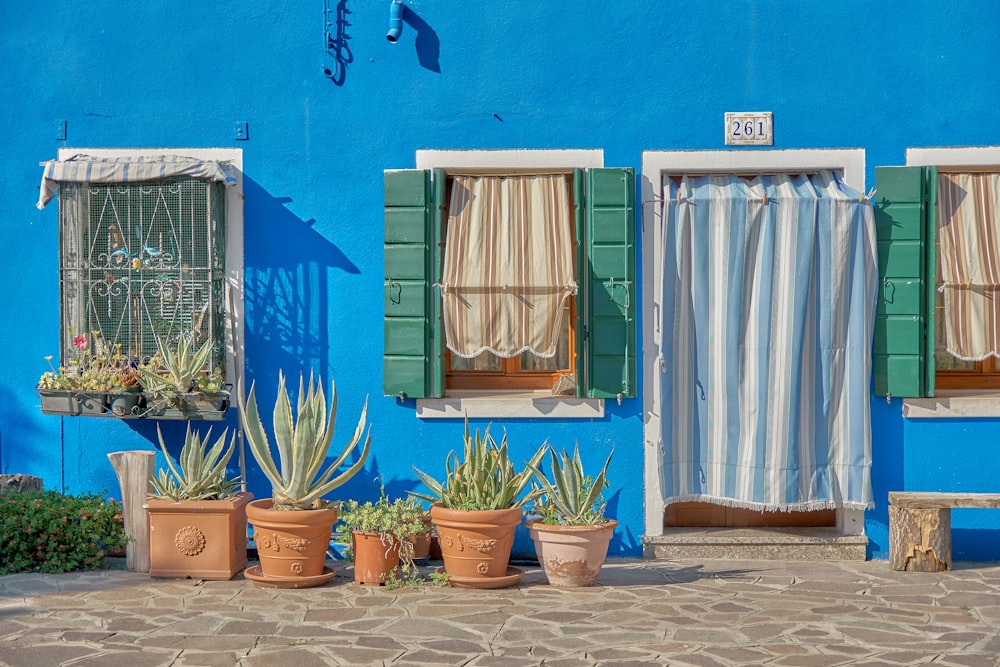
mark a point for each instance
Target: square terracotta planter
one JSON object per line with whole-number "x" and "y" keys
{"x": 201, "y": 539}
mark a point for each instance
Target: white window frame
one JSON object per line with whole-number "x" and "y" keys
{"x": 954, "y": 403}
{"x": 848, "y": 162}
{"x": 513, "y": 404}
{"x": 234, "y": 236}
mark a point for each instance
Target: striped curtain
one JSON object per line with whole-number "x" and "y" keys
{"x": 969, "y": 263}
{"x": 767, "y": 294}
{"x": 508, "y": 264}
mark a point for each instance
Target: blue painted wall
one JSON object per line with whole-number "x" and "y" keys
{"x": 624, "y": 77}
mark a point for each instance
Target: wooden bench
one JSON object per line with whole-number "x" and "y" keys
{"x": 920, "y": 527}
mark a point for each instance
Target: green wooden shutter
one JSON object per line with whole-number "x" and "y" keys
{"x": 412, "y": 355}
{"x": 610, "y": 290}
{"x": 903, "y": 348}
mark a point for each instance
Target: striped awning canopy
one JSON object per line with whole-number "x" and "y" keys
{"x": 90, "y": 169}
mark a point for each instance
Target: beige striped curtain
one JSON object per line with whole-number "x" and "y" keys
{"x": 508, "y": 264}
{"x": 969, "y": 263}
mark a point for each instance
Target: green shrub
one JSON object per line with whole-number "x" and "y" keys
{"x": 47, "y": 531}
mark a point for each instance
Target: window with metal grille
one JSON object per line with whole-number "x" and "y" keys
{"x": 142, "y": 264}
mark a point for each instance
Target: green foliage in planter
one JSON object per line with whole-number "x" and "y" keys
{"x": 99, "y": 368}
{"x": 571, "y": 498}
{"x": 400, "y": 519}
{"x": 46, "y": 531}
{"x": 199, "y": 474}
{"x": 484, "y": 479}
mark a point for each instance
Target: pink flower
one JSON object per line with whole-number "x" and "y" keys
{"x": 80, "y": 342}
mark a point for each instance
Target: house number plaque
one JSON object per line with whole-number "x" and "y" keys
{"x": 749, "y": 128}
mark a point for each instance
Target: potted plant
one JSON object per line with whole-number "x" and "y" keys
{"x": 292, "y": 529}
{"x": 571, "y": 533}
{"x": 477, "y": 509}
{"x": 92, "y": 382}
{"x": 179, "y": 384}
{"x": 381, "y": 535}
{"x": 196, "y": 514}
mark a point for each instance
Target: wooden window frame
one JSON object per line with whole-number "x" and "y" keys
{"x": 510, "y": 376}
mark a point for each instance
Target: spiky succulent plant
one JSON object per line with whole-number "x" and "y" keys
{"x": 298, "y": 479}
{"x": 200, "y": 472}
{"x": 484, "y": 479}
{"x": 571, "y": 497}
{"x": 172, "y": 372}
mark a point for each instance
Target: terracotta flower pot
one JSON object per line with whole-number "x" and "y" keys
{"x": 291, "y": 544}
{"x": 572, "y": 556}
{"x": 419, "y": 546}
{"x": 203, "y": 539}
{"x": 475, "y": 544}
{"x": 373, "y": 558}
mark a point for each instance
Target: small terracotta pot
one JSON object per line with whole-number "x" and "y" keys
{"x": 373, "y": 558}
{"x": 291, "y": 543}
{"x": 421, "y": 544}
{"x": 475, "y": 544}
{"x": 572, "y": 556}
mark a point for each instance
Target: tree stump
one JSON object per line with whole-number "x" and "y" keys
{"x": 18, "y": 483}
{"x": 134, "y": 470}
{"x": 919, "y": 539}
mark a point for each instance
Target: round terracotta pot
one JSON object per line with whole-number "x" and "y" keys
{"x": 476, "y": 543}
{"x": 291, "y": 543}
{"x": 373, "y": 558}
{"x": 572, "y": 556}
{"x": 420, "y": 548}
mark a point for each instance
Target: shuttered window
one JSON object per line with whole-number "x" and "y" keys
{"x": 910, "y": 355}
{"x": 601, "y": 319}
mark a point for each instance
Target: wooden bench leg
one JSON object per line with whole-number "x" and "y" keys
{"x": 919, "y": 539}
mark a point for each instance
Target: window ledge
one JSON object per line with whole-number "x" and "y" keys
{"x": 509, "y": 405}
{"x": 954, "y": 405}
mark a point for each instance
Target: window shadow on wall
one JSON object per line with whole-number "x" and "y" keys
{"x": 286, "y": 290}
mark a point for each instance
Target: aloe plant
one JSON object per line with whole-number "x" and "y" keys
{"x": 571, "y": 497}
{"x": 484, "y": 479}
{"x": 298, "y": 479}
{"x": 170, "y": 372}
{"x": 199, "y": 474}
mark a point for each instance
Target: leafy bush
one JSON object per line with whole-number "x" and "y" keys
{"x": 46, "y": 531}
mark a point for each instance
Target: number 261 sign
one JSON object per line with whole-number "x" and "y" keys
{"x": 749, "y": 128}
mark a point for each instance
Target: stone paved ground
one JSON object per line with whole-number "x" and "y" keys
{"x": 702, "y": 613}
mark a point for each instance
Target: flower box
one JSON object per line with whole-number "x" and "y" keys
{"x": 208, "y": 407}
{"x": 67, "y": 402}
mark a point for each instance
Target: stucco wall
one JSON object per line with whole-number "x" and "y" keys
{"x": 622, "y": 77}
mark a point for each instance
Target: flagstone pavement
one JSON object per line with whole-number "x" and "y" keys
{"x": 701, "y": 613}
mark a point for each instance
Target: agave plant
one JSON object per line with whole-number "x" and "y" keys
{"x": 199, "y": 474}
{"x": 298, "y": 479}
{"x": 170, "y": 372}
{"x": 484, "y": 479}
{"x": 571, "y": 497}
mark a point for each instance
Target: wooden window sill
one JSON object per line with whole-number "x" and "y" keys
{"x": 517, "y": 404}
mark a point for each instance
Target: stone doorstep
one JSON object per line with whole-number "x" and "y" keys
{"x": 820, "y": 544}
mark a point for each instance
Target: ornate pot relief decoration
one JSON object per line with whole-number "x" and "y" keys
{"x": 190, "y": 541}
